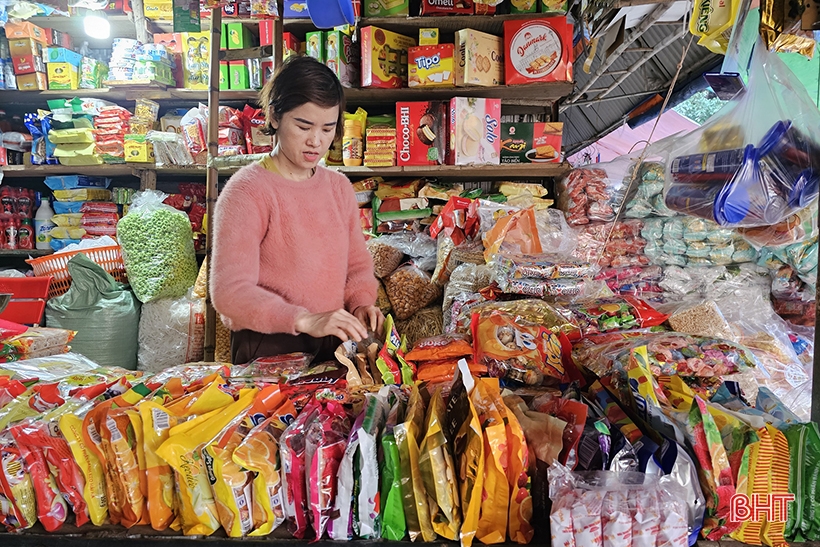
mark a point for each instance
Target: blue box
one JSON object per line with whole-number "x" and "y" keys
{"x": 296, "y": 9}
{"x": 62, "y": 55}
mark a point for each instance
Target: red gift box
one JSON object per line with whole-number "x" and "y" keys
{"x": 537, "y": 50}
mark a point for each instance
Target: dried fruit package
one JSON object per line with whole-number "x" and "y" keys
{"x": 325, "y": 443}
{"x": 394, "y": 525}
{"x": 292, "y": 452}
{"x": 438, "y": 472}
{"x": 408, "y": 433}
{"x": 495, "y": 498}
{"x": 368, "y": 518}
{"x": 463, "y": 430}
{"x": 18, "y": 509}
{"x": 183, "y": 452}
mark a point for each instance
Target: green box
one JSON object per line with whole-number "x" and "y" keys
{"x": 238, "y": 73}
{"x": 386, "y": 8}
{"x": 516, "y": 141}
{"x": 315, "y": 45}
{"x": 239, "y": 36}
{"x": 223, "y": 38}
{"x": 224, "y": 77}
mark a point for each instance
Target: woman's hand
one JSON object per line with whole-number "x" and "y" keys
{"x": 339, "y": 323}
{"x": 371, "y": 317}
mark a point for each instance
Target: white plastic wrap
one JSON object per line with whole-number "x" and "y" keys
{"x": 172, "y": 333}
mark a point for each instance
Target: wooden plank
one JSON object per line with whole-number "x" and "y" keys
{"x": 21, "y": 171}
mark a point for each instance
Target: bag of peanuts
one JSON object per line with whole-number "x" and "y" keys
{"x": 410, "y": 289}
{"x": 386, "y": 258}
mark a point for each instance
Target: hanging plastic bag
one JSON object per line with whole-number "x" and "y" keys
{"x": 769, "y": 169}
{"x": 104, "y": 313}
{"x": 157, "y": 248}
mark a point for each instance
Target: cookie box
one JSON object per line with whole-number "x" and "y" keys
{"x": 475, "y": 131}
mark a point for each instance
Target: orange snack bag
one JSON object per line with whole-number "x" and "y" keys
{"x": 157, "y": 421}
{"x": 437, "y": 348}
{"x": 119, "y": 445}
{"x": 521, "y": 507}
{"x": 70, "y": 423}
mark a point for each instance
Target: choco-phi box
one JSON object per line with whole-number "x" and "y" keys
{"x": 421, "y": 133}
{"x": 475, "y": 131}
{"x": 527, "y": 142}
{"x": 537, "y": 50}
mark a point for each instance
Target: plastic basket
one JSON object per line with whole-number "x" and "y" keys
{"x": 56, "y": 266}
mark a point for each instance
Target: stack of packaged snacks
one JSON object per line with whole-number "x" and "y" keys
{"x": 380, "y": 146}
{"x": 110, "y": 127}
{"x": 83, "y": 209}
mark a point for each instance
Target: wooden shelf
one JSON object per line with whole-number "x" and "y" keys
{"x": 24, "y": 253}
{"x": 118, "y": 170}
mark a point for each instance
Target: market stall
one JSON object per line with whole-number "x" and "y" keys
{"x": 613, "y": 354}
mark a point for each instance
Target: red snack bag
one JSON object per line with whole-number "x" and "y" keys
{"x": 51, "y": 507}
{"x": 54, "y": 448}
{"x": 194, "y": 190}
{"x": 292, "y": 452}
{"x": 254, "y": 122}
{"x": 574, "y": 413}
{"x": 99, "y": 207}
{"x": 16, "y": 491}
{"x": 325, "y": 444}
{"x": 196, "y": 215}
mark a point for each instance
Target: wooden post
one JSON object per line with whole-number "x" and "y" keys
{"x": 212, "y": 180}
{"x": 140, "y": 22}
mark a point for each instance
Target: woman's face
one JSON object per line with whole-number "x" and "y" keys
{"x": 305, "y": 134}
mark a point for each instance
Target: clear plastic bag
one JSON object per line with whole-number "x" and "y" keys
{"x": 169, "y": 148}
{"x": 595, "y": 194}
{"x": 386, "y": 258}
{"x": 466, "y": 278}
{"x": 172, "y": 332}
{"x": 757, "y": 161}
{"x": 410, "y": 289}
{"x": 554, "y": 234}
{"x": 157, "y": 248}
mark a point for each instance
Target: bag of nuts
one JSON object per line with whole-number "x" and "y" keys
{"x": 385, "y": 258}
{"x": 410, "y": 289}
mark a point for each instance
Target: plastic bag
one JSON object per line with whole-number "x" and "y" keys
{"x": 341, "y": 524}
{"x": 410, "y": 289}
{"x": 774, "y": 171}
{"x": 369, "y": 522}
{"x": 386, "y": 258}
{"x": 157, "y": 247}
{"x": 617, "y": 313}
{"x": 394, "y": 525}
{"x": 595, "y": 194}
{"x": 520, "y": 340}
{"x": 18, "y": 510}
{"x": 171, "y": 332}
{"x": 104, "y": 313}
{"x": 613, "y": 245}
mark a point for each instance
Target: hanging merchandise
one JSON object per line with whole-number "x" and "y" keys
{"x": 757, "y": 161}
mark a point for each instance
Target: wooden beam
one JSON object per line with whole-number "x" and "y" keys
{"x": 212, "y": 177}
{"x": 140, "y": 22}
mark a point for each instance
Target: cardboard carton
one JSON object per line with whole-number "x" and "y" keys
{"x": 475, "y": 131}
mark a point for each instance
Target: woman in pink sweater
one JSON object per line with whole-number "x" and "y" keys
{"x": 290, "y": 270}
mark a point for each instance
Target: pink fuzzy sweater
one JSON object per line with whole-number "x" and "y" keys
{"x": 283, "y": 247}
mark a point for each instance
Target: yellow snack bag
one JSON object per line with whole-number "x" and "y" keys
{"x": 19, "y": 506}
{"x": 157, "y": 422}
{"x": 231, "y": 484}
{"x": 521, "y": 508}
{"x": 71, "y": 426}
{"x": 183, "y": 452}
{"x": 713, "y": 23}
{"x": 416, "y": 511}
{"x": 495, "y": 497}
{"x": 438, "y": 473}
{"x": 119, "y": 444}
{"x": 212, "y": 396}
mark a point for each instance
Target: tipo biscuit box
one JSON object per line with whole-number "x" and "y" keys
{"x": 531, "y": 142}
{"x": 479, "y": 61}
{"x": 341, "y": 57}
{"x": 384, "y": 58}
{"x": 475, "y": 131}
{"x": 431, "y": 66}
{"x": 421, "y": 133}
{"x": 537, "y": 50}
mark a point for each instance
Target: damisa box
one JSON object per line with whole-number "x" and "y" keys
{"x": 479, "y": 61}
{"x": 384, "y": 58}
{"x": 537, "y": 50}
{"x": 475, "y": 131}
{"x": 421, "y": 133}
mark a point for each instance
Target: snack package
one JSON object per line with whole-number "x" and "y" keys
{"x": 591, "y": 194}
{"x": 18, "y": 510}
{"x": 369, "y": 522}
{"x": 394, "y": 525}
{"x": 438, "y": 473}
{"x": 408, "y": 433}
{"x": 617, "y": 313}
{"x": 521, "y": 501}
{"x": 386, "y": 258}
{"x": 341, "y": 525}
{"x": 325, "y": 442}
{"x": 183, "y": 452}
{"x": 463, "y": 430}
{"x": 292, "y": 453}
{"x": 391, "y": 361}
{"x": 770, "y": 173}
{"x": 410, "y": 289}
{"x": 157, "y": 422}
{"x": 520, "y": 340}
{"x": 439, "y": 348}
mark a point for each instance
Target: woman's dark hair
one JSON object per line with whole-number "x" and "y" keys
{"x": 299, "y": 81}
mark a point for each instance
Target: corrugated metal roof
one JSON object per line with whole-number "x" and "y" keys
{"x": 586, "y": 123}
